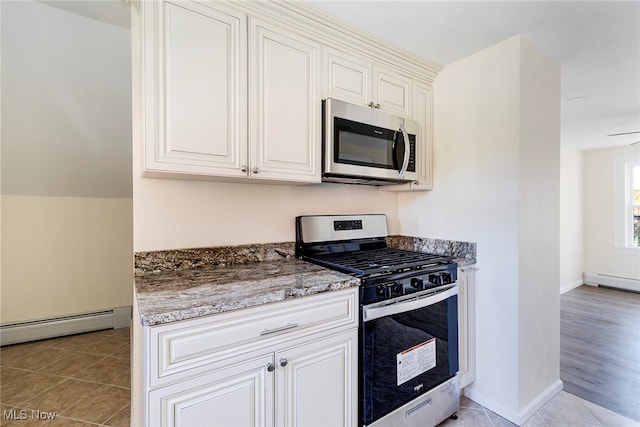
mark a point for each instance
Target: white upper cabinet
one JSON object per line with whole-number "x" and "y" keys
{"x": 233, "y": 90}
{"x": 347, "y": 78}
{"x": 352, "y": 79}
{"x": 393, "y": 92}
{"x": 423, "y": 114}
{"x": 198, "y": 117}
{"x": 285, "y": 119}
{"x": 194, "y": 87}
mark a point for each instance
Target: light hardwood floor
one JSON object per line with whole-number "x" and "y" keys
{"x": 600, "y": 347}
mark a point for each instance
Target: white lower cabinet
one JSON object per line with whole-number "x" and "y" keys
{"x": 241, "y": 395}
{"x": 316, "y": 385}
{"x": 467, "y": 325}
{"x": 307, "y": 385}
{"x": 301, "y": 373}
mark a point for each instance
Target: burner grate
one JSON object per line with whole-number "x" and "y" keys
{"x": 380, "y": 261}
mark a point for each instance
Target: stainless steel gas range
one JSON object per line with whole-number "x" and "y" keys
{"x": 408, "y": 346}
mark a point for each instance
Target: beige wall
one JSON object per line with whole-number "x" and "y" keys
{"x": 64, "y": 255}
{"x": 170, "y": 214}
{"x": 66, "y": 207}
{"x": 496, "y": 165}
{"x": 602, "y": 254}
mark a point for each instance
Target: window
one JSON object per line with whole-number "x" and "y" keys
{"x": 633, "y": 205}
{"x": 627, "y": 201}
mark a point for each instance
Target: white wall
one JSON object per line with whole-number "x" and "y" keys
{"x": 602, "y": 255}
{"x": 66, "y": 161}
{"x": 487, "y": 181}
{"x": 539, "y": 225}
{"x": 571, "y": 218}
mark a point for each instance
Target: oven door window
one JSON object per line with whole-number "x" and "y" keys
{"x": 406, "y": 355}
{"x": 364, "y": 145}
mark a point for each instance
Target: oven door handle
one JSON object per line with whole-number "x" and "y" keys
{"x": 376, "y": 311}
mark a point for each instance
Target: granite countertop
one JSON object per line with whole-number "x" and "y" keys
{"x": 170, "y": 296}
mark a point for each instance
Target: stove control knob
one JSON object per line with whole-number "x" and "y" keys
{"x": 396, "y": 288}
{"x": 417, "y": 283}
{"x": 436, "y": 279}
{"x": 381, "y": 291}
{"x": 446, "y": 278}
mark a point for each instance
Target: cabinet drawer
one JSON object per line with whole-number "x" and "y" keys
{"x": 195, "y": 345}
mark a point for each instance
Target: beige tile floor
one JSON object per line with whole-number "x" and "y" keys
{"x": 563, "y": 410}
{"x": 84, "y": 380}
{"x": 80, "y": 380}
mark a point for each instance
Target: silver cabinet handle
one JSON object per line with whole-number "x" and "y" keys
{"x": 371, "y": 104}
{"x": 243, "y": 168}
{"x": 255, "y": 170}
{"x": 283, "y": 362}
{"x": 271, "y": 367}
{"x": 279, "y": 329}
{"x": 377, "y": 106}
{"x": 407, "y": 149}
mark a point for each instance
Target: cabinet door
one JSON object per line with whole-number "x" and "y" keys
{"x": 422, "y": 113}
{"x": 240, "y": 396}
{"x": 347, "y": 79}
{"x": 195, "y": 89}
{"x": 317, "y": 386}
{"x": 285, "y": 127}
{"x": 393, "y": 92}
{"x": 467, "y": 325}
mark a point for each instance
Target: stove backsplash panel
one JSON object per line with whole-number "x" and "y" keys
{"x": 183, "y": 259}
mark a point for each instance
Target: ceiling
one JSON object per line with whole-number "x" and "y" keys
{"x": 597, "y": 43}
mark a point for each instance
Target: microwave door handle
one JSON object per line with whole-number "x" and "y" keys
{"x": 407, "y": 150}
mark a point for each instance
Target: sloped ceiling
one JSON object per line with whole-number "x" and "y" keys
{"x": 66, "y": 100}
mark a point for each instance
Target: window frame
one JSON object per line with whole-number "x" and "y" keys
{"x": 632, "y": 169}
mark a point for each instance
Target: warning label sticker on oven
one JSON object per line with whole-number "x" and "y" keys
{"x": 416, "y": 360}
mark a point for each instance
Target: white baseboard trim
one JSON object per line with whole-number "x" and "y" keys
{"x": 520, "y": 417}
{"x": 537, "y": 403}
{"x": 570, "y": 286}
{"x": 14, "y": 333}
{"x": 490, "y": 404}
{"x": 625, "y": 283}
{"x": 590, "y": 278}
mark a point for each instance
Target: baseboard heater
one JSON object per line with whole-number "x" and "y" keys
{"x": 19, "y": 332}
{"x": 595, "y": 279}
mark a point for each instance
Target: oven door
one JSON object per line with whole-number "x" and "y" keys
{"x": 362, "y": 142}
{"x": 409, "y": 346}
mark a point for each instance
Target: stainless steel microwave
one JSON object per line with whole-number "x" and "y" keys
{"x": 367, "y": 146}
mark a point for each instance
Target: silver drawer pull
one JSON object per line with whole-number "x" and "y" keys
{"x": 413, "y": 411}
{"x": 281, "y": 328}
